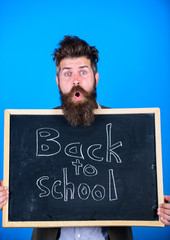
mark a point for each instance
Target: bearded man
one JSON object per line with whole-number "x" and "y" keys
{"x": 77, "y": 78}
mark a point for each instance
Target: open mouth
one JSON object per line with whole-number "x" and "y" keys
{"x": 78, "y": 95}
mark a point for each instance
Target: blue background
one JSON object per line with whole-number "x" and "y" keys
{"x": 133, "y": 42}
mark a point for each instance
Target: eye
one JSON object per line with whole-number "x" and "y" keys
{"x": 83, "y": 72}
{"x": 67, "y": 74}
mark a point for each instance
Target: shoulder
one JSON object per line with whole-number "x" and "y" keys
{"x": 103, "y": 107}
{"x": 59, "y": 107}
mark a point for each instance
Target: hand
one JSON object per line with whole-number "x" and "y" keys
{"x": 164, "y": 211}
{"x": 3, "y": 195}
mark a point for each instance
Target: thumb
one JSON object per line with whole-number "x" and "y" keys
{"x": 167, "y": 198}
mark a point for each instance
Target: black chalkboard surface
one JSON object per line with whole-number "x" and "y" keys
{"x": 107, "y": 174}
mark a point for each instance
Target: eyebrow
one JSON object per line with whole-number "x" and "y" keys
{"x": 68, "y": 68}
{"x": 65, "y": 68}
{"x": 83, "y": 67}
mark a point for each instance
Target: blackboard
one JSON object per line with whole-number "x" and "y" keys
{"x": 109, "y": 173}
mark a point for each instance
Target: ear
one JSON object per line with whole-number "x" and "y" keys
{"x": 97, "y": 78}
{"x": 57, "y": 80}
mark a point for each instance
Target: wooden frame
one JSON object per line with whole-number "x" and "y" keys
{"x": 7, "y": 223}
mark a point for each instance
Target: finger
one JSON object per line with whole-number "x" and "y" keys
{"x": 3, "y": 198}
{"x": 2, "y": 204}
{"x": 165, "y": 205}
{"x": 165, "y": 216}
{"x": 163, "y": 211}
{"x": 167, "y": 198}
{"x": 3, "y": 189}
{"x": 1, "y": 185}
{"x": 4, "y": 193}
{"x": 165, "y": 222}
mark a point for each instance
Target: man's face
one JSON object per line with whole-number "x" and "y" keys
{"x": 76, "y": 72}
{"x": 77, "y": 85}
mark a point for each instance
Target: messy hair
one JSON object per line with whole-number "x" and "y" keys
{"x": 71, "y": 47}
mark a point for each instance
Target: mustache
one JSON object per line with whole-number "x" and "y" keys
{"x": 77, "y": 89}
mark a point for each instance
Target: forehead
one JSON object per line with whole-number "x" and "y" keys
{"x": 75, "y": 62}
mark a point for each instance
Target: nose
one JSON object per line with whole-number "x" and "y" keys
{"x": 76, "y": 80}
{"x": 76, "y": 83}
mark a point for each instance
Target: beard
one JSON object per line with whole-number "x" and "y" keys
{"x": 79, "y": 112}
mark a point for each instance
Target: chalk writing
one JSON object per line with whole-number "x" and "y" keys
{"x": 110, "y": 147}
{"x": 92, "y": 149}
{"x": 66, "y": 188}
{"x": 47, "y": 144}
{"x": 77, "y": 166}
{"x": 45, "y": 140}
{"x": 74, "y": 150}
